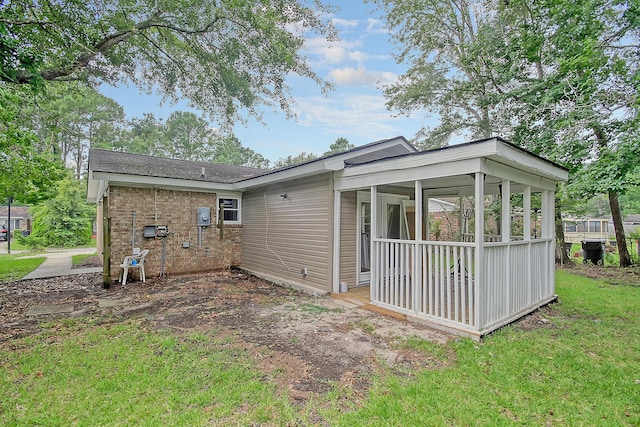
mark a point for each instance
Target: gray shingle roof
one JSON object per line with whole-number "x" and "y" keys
{"x": 136, "y": 164}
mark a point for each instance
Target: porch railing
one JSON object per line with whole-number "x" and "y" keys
{"x": 436, "y": 280}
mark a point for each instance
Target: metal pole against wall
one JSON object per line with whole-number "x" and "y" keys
{"x": 9, "y": 200}
{"x": 163, "y": 257}
{"x": 133, "y": 231}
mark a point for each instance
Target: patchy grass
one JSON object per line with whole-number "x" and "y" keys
{"x": 12, "y": 268}
{"x": 17, "y": 246}
{"x": 96, "y": 375}
{"x": 79, "y": 259}
{"x": 578, "y": 366}
{"x": 316, "y": 309}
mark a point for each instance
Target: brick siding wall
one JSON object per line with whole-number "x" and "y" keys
{"x": 177, "y": 210}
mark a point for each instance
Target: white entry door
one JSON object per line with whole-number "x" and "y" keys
{"x": 390, "y": 226}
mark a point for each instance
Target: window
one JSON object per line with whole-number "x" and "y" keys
{"x": 570, "y": 226}
{"x": 594, "y": 226}
{"x": 231, "y": 209}
{"x": 582, "y": 226}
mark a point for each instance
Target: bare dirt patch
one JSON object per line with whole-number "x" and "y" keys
{"x": 629, "y": 276}
{"x": 306, "y": 345}
{"x": 89, "y": 262}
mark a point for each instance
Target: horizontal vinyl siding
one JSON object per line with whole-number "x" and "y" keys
{"x": 281, "y": 237}
{"x": 348, "y": 230}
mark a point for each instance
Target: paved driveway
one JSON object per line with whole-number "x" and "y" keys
{"x": 59, "y": 264}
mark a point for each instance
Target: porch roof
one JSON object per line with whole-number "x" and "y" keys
{"x": 449, "y": 171}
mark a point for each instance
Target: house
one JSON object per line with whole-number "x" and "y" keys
{"x": 20, "y": 218}
{"x": 578, "y": 229}
{"x": 347, "y": 218}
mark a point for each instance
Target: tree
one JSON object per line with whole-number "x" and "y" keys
{"x": 229, "y": 150}
{"x": 558, "y": 77}
{"x": 630, "y": 201}
{"x": 341, "y": 144}
{"x": 85, "y": 119}
{"x": 141, "y": 135}
{"x": 223, "y": 57}
{"x": 448, "y": 74}
{"x": 26, "y": 170}
{"x": 186, "y": 137}
{"x": 68, "y": 118}
{"x": 294, "y": 160}
{"x": 66, "y": 219}
{"x": 578, "y": 70}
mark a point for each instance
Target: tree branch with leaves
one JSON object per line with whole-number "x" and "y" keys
{"x": 224, "y": 57}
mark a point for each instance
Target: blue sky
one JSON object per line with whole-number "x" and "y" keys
{"x": 358, "y": 64}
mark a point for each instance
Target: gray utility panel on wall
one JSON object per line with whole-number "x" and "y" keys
{"x": 204, "y": 217}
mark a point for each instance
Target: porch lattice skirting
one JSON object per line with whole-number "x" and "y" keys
{"x": 437, "y": 282}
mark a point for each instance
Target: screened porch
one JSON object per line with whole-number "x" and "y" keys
{"x": 461, "y": 277}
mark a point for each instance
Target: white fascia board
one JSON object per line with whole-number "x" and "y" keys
{"x": 337, "y": 162}
{"x": 333, "y": 163}
{"x": 425, "y": 158}
{"x": 492, "y": 148}
{"x": 95, "y": 188}
{"x": 530, "y": 163}
{"x": 363, "y": 176}
{"x": 158, "y": 182}
{"x": 296, "y": 172}
{"x": 511, "y": 173}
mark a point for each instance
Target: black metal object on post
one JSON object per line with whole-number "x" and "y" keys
{"x": 9, "y": 200}
{"x": 593, "y": 250}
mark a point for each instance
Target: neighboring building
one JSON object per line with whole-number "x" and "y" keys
{"x": 630, "y": 223}
{"x": 348, "y": 217}
{"x": 579, "y": 229}
{"x": 20, "y": 218}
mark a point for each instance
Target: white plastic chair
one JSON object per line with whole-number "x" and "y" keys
{"x": 129, "y": 263}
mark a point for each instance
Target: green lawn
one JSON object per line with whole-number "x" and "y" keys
{"x": 578, "y": 367}
{"x": 13, "y": 269}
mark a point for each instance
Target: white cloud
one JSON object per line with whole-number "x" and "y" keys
{"x": 375, "y": 26}
{"x": 358, "y": 56}
{"x": 362, "y": 115}
{"x": 361, "y": 77}
{"x": 349, "y": 23}
{"x": 331, "y": 52}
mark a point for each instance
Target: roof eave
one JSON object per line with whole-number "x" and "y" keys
{"x": 107, "y": 178}
{"x": 334, "y": 162}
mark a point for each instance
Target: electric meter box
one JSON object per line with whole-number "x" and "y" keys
{"x": 204, "y": 217}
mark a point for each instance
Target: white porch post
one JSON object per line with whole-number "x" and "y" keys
{"x": 426, "y": 217}
{"x": 505, "y": 232}
{"x": 337, "y": 200}
{"x": 548, "y": 232}
{"x": 461, "y": 224}
{"x": 479, "y": 256}
{"x": 505, "y": 213}
{"x": 418, "y": 219}
{"x": 416, "y": 286}
{"x": 547, "y": 215}
{"x": 526, "y": 219}
{"x": 526, "y": 235}
{"x": 374, "y": 261}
